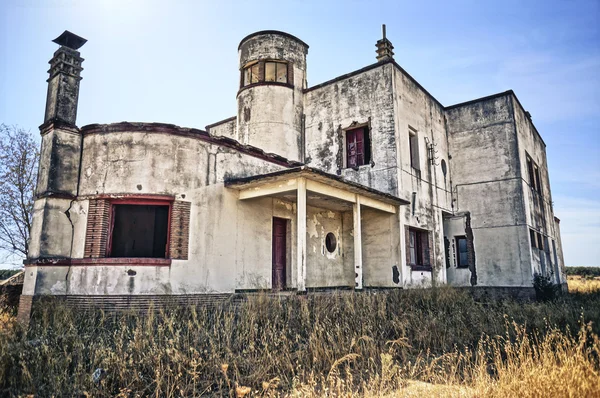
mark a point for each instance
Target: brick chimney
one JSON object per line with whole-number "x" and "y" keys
{"x": 63, "y": 83}
{"x": 384, "y": 48}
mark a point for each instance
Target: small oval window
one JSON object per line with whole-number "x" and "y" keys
{"x": 444, "y": 170}
{"x": 330, "y": 242}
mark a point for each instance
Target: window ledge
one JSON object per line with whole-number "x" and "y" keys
{"x": 105, "y": 261}
{"x": 421, "y": 268}
{"x": 288, "y": 85}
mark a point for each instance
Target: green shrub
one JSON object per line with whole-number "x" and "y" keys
{"x": 583, "y": 271}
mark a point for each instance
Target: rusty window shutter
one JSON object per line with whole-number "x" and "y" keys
{"x": 351, "y": 158}
{"x": 96, "y": 234}
{"x": 180, "y": 230}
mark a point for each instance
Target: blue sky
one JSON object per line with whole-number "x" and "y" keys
{"x": 176, "y": 62}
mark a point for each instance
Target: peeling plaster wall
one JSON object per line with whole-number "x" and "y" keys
{"x": 188, "y": 169}
{"x": 381, "y": 244}
{"x": 358, "y": 99}
{"x": 226, "y": 129}
{"x": 486, "y": 177}
{"x": 415, "y": 110}
{"x": 325, "y": 269}
{"x": 538, "y": 208}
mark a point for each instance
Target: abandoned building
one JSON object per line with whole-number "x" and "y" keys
{"x": 362, "y": 182}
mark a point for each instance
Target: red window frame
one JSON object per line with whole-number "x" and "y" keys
{"x": 357, "y": 150}
{"x": 137, "y": 201}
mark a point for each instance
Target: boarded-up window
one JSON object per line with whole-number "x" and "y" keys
{"x": 418, "y": 248}
{"x": 462, "y": 252}
{"x": 358, "y": 147}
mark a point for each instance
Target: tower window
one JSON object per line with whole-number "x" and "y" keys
{"x": 265, "y": 72}
{"x": 276, "y": 72}
{"x": 358, "y": 147}
{"x": 251, "y": 74}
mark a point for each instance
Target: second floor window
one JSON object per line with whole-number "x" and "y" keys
{"x": 358, "y": 147}
{"x": 265, "y": 71}
{"x": 534, "y": 175}
{"x": 276, "y": 72}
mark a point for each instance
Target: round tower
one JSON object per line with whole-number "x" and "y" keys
{"x": 270, "y": 100}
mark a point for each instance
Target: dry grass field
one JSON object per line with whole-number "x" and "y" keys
{"x": 436, "y": 342}
{"x": 583, "y": 284}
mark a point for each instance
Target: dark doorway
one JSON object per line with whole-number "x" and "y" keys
{"x": 279, "y": 252}
{"x": 139, "y": 231}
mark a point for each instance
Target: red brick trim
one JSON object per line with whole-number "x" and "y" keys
{"x": 180, "y": 230}
{"x": 24, "y": 314}
{"x": 96, "y": 234}
{"x": 132, "y": 197}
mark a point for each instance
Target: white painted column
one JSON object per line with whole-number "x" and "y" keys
{"x": 358, "y": 268}
{"x": 301, "y": 234}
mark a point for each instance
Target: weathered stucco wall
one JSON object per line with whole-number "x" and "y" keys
{"x": 360, "y": 99}
{"x": 538, "y": 207}
{"x": 453, "y": 227}
{"x": 381, "y": 245}
{"x": 426, "y": 186}
{"x": 486, "y": 177}
{"x": 270, "y": 115}
{"x": 226, "y": 128}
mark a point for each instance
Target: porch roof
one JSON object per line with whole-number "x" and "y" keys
{"x": 323, "y": 189}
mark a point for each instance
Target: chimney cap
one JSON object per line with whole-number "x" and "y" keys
{"x": 70, "y": 40}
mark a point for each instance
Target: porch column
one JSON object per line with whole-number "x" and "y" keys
{"x": 358, "y": 269}
{"x": 301, "y": 234}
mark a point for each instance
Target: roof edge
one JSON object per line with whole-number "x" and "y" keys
{"x": 277, "y": 32}
{"x": 163, "y": 128}
{"x": 368, "y": 68}
{"x": 309, "y": 170}
{"x": 498, "y": 95}
{"x": 229, "y": 119}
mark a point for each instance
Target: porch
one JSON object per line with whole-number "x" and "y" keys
{"x": 373, "y": 237}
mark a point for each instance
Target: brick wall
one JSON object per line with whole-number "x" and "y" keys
{"x": 96, "y": 234}
{"x": 180, "y": 230}
{"x": 24, "y": 313}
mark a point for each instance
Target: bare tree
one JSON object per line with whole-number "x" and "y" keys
{"x": 18, "y": 170}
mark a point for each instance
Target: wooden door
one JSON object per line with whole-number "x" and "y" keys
{"x": 279, "y": 252}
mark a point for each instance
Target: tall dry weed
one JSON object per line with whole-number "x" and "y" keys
{"x": 340, "y": 344}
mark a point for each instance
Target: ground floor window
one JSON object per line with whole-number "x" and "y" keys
{"x": 462, "y": 252}
{"x": 139, "y": 231}
{"x": 134, "y": 227}
{"x": 418, "y": 248}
